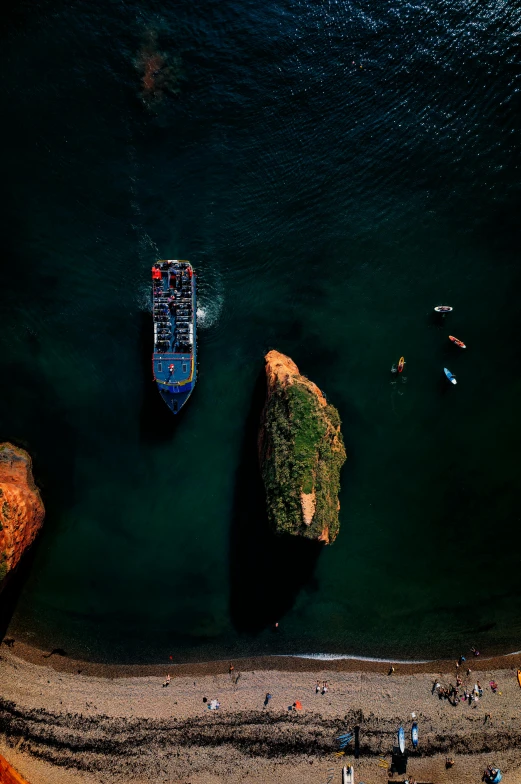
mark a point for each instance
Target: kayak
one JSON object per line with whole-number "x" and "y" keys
{"x": 401, "y": 363}
{"x": 457, "y": 342}
{"x": 443, "y": 309}
{"x": 414, "y": 734}
{"x": 348, "y": 774}
{"x": 449, "y": 375}
{"x": 519, "y": 677}
{"x": 401, "y": 739}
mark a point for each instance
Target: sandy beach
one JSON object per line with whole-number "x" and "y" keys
{"x": 66, "y": 721}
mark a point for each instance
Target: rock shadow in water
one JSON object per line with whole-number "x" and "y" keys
{"x": 266, "y": 571}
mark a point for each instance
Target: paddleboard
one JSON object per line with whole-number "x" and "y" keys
{"x": 414, "y": 733}
{"x": 348, "y": 775}
{"x": 443, "y": 309}
{"x": 401, "y": 739}
{"x": 449, "y": 375}
{"x": 519, "y": 677}
{"x": 457, "y": 342}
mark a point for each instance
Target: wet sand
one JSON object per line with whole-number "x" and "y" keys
{"x": 62, "y": 721}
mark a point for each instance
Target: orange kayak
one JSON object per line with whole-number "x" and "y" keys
{"x": 457, "y": 342}
{"x": 401, "y": 363}
{"x": 519, "y": 677}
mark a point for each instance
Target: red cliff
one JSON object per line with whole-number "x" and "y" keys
{"x": 8, "y": 775}
{"x": 21, "y": 508}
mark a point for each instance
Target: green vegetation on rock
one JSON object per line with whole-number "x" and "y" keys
{"x": 302, "y": 451}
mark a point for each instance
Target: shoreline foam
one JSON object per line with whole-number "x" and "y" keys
{"x": 285, "y": 662}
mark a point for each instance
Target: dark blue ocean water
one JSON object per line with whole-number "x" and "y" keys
{"x": 333, "y": 170}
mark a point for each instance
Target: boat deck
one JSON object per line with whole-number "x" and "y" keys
{"x": 174, "y": 315}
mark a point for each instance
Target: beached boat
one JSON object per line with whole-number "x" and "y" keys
{"x": 414, "y": 734}
{"x": 457, "y": 342}
{"x": 450, "y": 376}
{"x": 174, "y": 315}
{"x": 401, "y": 740}
{"x": 443, "y": 309}
{"x": 348, "y": 776}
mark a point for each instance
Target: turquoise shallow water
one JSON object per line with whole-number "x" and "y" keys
{"x": 326, "y": 208}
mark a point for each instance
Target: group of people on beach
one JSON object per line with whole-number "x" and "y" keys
{"x": 452, "y": 692}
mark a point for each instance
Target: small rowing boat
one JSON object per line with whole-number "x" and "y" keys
{"x": 414, "y": 734}
{"x": 348, "y": 774}
{"x": 450, "y": 376}
{"x": 457, "y": 342}
{"x": 401, "y": 363}
{"x": 401, "y": 739}
{"x": 443, "y": 308}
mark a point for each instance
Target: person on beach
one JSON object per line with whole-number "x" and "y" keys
{"x": 461, "y": 660}
{"x": 167, "y": 681}
{"x": 267, "y": 699}
{"x": 474, "y": 651}
{"x": 459, "y": 681}
{"x": 231, "y": 669}
{"x": 317, "y": 687}
{"x": 324, "y": 688}
{"x": 391, "y": 670}
{"x": 480, "y": 689}
{"x": 468, "y": 671}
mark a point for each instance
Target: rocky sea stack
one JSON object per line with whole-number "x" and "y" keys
{"x": 301, "y": 452}
{"x": 21, "y": 508}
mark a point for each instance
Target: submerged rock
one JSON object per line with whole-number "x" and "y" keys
{"x": 160, "y": 72}
{"x": 21, "y": 508}
{"x": 301, "y": 452}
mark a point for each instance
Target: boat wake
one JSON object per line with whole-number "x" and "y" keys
{"x": 209, "y": 311}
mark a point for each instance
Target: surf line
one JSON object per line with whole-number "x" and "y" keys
{"x": 341, "y": 656}
{"x": 351, "y": 657}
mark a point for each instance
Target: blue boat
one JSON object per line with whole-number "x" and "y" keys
{"x": 174, "y": 315}
{"x": 401, "y": 739}
{"x": 414, "y": 734}
{"x": 450, "y": 376}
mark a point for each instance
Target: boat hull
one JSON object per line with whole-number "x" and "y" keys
{"x": 347, "y": 774}
{"x": 401, "y": 740}
{"x": 174, "y": 308}
{"x": 449, "y": 376}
